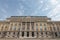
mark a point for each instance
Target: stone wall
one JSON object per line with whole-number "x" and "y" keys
{"x": 28, "y": 39}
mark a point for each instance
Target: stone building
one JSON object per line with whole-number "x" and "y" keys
{"x": 29, "y": 27}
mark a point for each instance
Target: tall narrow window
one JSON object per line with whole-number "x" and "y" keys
{"x": 56, "y": 34}
{"x": 23, "y": 25}
{"x": 40, "y": 27}
{"x": 27, "y": 34}
{"x": 14, "y": 27}
{"x": 32, "y": 34}
{"x": 54, "y": 28}
{"x": 32, "y": 25}
{"x": 28, "y": 25}
{"x": 2, "y": 28}
{"x": 37, "y": 27}
{"x": 22, "y": 34}
{"x": 41, "y": 33}
{"x": 58, "y": 28}
{"x": 18, "y": 28}
{"x": 45, "y": 27}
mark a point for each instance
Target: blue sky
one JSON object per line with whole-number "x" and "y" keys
{"x": 50, "y": 8}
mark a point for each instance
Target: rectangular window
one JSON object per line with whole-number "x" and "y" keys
{"x": 40, "y": 27}
{"x": 22, "y": 34}
{"x": 32, "y": 34}
{"x": 27, "y": 34}
{"x": 28, "y": 25}
{"x": 36, "y": 26}
{"x": 32, "y": 25}
{"x": 23, "y": 25}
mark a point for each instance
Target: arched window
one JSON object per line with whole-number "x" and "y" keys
{"x": 6, "y": 28}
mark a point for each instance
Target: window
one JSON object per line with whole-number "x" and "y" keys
{"x": 32, "y": 34}
{"x": 58, "y": 28}
{"x": 40, "y": 27}
{"x": 19, "y": 24}
{"x": 46, "y": 33}
{"x": 27, "y": 34}
{"x": 41, "y": 33}
{"x": 6, "y": 28}
{"x": 54, "y": 28}
{"x": 32, "y": 25}
{"x": 36, "y": 26}
{"x": 2, "y": 28}
{"x": 22, "y": 34}
{"x": 18, "y": 34}
{"x": 40, "y": 24}
{"x": 18, "y": 28}
{"x": 45, "y": 27}
{"x": 15, "y": 24}
{"x": 23, "y": 25}
{"x": 51, "y": 28}
{"x": 28, "y": 25}
{"x": 14, "y": 33}
{"x": 56, "y": 34}
{"x": 14, "y": 28}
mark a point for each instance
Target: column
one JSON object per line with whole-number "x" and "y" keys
{"x": 9, "y": 27}
{"x": 7, "y": 36}
{"x": 21, "y": 26}
{"x": 34, "y": 26}
{"x": 30, "y": 34}
{"x": 20, "y": 34}
{"x": 26, "y": 26}
{"x": 17, "y": 27}
{"x": 58, "y": 30}
{"x": 4, "y": 28}
{"x": 0, "y": 27}
{"x": 30, "y": 27}
{"x": 25, "y": 33}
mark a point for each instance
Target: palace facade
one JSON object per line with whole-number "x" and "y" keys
{"x": 29, "y": 27}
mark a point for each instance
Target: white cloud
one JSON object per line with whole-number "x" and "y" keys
{"x": 55, "y": 11}
{"x": 45, "y": 9}
{"x": 41, "y": 1}
{"x": 54, "y": 2}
